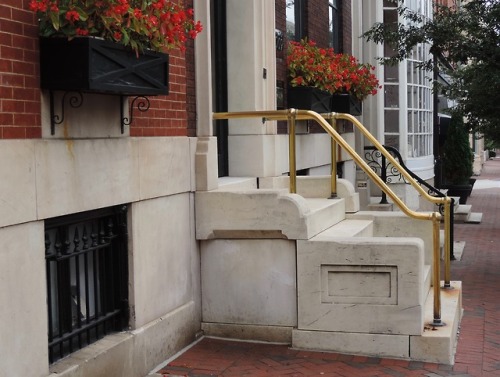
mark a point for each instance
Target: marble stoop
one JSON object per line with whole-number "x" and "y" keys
{"x": 463, "y": 214}
{"x": 371, "y": 296}
{"x": 297, "y": 269}
{"x": 317, "y": 186}
{"x": 362, "y": 285}
{"x": 438, "y": 344}
{"x": 264, "y": 214}
{"x": 248, "y": 257}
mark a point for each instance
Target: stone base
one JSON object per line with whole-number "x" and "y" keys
{"x": 438, "y": 344}
{"x": 435, "y": 345}
{"x": 272, "y": 334}
{"x": 377, "y": 345}
{"x": 133, "y": 353}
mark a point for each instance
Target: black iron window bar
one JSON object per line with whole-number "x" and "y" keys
{"x": 387, "y": 172}
{"x": 87, "y": 278}
{"x": 75, "y": 100}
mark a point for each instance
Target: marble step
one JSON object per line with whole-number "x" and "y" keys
{"x": 347, "y": 228}
{"x": 437, "y": 344}
{"x": 261, "y": 213}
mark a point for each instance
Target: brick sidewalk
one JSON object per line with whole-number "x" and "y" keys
{"x": 478, "y": 352}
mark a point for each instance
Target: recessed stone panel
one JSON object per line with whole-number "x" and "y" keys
{"x": 370, "y": 285}
{"x": 359, "y": 284}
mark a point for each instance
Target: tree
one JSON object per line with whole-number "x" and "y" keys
{"x": 468, "y": 39}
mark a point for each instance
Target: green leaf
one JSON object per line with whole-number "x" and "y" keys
{"x": 54, "y": 19}
{"x": 83, "y": 15}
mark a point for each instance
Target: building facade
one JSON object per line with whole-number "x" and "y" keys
{"x": 64, "y": 196}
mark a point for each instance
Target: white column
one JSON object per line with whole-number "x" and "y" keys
{"x": 203, "y": 70}
{"x": 254, "y": 148}
{"x": 251, "y": 62}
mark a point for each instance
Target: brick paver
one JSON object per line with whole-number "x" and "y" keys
{"x": 478, "y": 351}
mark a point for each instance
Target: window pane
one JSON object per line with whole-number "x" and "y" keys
{"x": 334, "y": 30}
{"x": 391, "y": 73}
{"x": 391, "y": 120}
{"x": 290, "y": 19}
{"x": 391, "y": 95}
{"x": 392, "y": 141}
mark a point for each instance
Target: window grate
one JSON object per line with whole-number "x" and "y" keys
{"x": 87, "y": 273}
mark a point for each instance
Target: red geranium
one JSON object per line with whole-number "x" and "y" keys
{"x": 141, "y": 24}
{"x": 309, "y": 65}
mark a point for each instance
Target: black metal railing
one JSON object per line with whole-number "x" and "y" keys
{"x": 87, "y": 278}
{"x": 390, "y": 174}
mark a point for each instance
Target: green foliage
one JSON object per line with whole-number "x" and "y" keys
{"x": 467, "y": 38}
{"x": 457, "y": 154}
{"x": 159, "y": 25}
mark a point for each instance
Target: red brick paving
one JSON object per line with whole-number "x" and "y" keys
{"x": 478, "y": 351}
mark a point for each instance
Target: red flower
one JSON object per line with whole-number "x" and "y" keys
{"x": 72, "y": 16}
{"x": 39, "y": 5}
{"x": 156, "y": 24}
{"x": 309, "y": 65}
{"x": 80, "y": 31}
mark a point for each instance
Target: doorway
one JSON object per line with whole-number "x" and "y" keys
{"x": 220, "y": 95}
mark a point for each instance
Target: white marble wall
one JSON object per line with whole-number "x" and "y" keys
{"x": 163, "y": 257}
{"x": 45, "y": 178}
{"x": 23, "y": 308}
{"x": 249, "y": 282}
{"x": 366, "y": 285}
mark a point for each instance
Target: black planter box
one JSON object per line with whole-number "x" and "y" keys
{"x": 463, "y": 191}
{"x": 98, "y": 66}
{"x": 345, "y": 103}
{"x": 309, "y": 98}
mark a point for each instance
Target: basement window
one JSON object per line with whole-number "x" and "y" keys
{"x": 87, "y": 272}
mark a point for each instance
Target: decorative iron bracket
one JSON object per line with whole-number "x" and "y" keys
{"x": 75, "y": 100}
{"x": 142, "y": 103}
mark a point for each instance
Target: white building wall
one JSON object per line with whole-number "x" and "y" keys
{"x": 365, "y": 14}
{"x": 44, "y": 178}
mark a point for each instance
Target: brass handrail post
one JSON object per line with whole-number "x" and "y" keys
{"x": 292, "y": 116}
{"x": 436, "y": 281}
{"x": 447, "y": 246}
{"x": 333, "y": 122}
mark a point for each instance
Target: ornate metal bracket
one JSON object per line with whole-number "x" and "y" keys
{"x": 141, "y": 102}
{"x": 377, "y": 162}
{"x": 385, "y": 170}
{"x": 75, "y": 100}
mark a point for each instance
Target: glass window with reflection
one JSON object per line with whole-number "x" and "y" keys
{"x": 294, "y": 19}
{"x": 334, "y": 13}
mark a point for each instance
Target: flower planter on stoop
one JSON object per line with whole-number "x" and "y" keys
{"x": 309, "y": 98}
{"x": 94, "y": 65}
{"x": 346, "y": 103}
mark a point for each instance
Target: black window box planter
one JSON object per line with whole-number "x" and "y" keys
{"x": 346, "y": 103}
{"x": 309, "y": 98}
{"x": 98, "y": 66}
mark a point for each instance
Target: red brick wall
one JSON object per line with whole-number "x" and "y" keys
{"x": 317, "y": 21}
{"x": 20, "y": 113}
{"x": 346, "y": 22}
{"x": 20, "y": 104}
{"x": 167, "y": 115}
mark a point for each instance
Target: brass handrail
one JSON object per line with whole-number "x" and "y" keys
{"x": 292, "y": 115}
